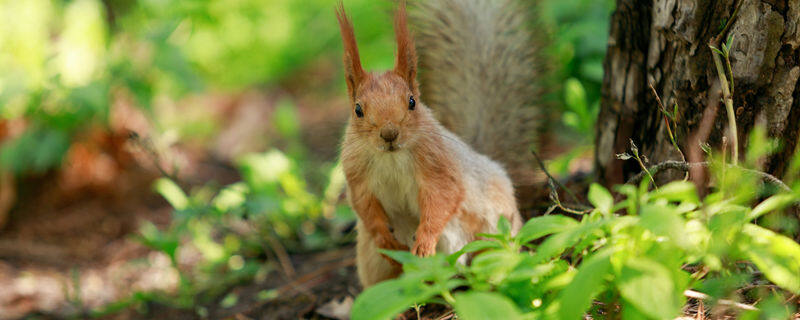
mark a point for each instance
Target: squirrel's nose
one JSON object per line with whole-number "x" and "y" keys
{"x": 389, "y": 134}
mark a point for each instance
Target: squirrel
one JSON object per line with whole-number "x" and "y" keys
{"x": 423, "y": 179}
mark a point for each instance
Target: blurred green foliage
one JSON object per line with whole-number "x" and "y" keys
{"x": 579, "y": 35}
{"x": 232, "y": 227}
{"x": 62, "y": 63}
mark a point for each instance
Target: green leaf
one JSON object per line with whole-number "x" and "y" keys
{"x": 557, "y": 243}
{"x": 680, "y": 191}
{"x": 587, "y": 283}
{"x": 541, "y": 226}
{"x": 664, "y": 221}
{"x": 647, "y": 285}
{"x": 600, "y": 198}
{"x": 503, "y": 226}
{"x": 286, "y": 120}
{"x": 386, "y": 299}
{"x": 575, "y": 95}
{"x": 231, "y": 197}
{"x": 473, "y": 246}
{"x": 230, "y": 300}
{"x": 494, "y": 266}
{"x": 172, "y": 193}
{"x": 777, "y": 256}
{"x": 400, "y": 256}
{"x": 774, "y": 203}
{"x": 485, "y": 305}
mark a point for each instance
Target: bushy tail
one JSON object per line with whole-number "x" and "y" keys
{"x": 478, "y": 72}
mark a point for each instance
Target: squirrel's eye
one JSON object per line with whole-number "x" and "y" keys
{"x": 411, "y": 103}
{"x": 359, "y": 111}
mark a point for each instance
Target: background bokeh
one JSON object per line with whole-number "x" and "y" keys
{"x": 205, "y": 134}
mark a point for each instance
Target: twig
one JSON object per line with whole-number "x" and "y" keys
{"x": 554, "y": 198}
{"x": 147, "y": 145}
{"x": 635, "y": 155}
{"x": 701, "y": 311}
{"x": 549, "y": 176}
{"x": 685, "y": 166}
{"x": 727, "y": 89}
{"x": 283, "y": 257}
{"x": 728, "y": 99}
{"x": 716, "y": 40}
{"x": 702, "y": 296}
{"x": 666, "y": 121}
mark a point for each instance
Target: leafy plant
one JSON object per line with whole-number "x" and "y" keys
{"x": 634, "y": 258}
{"x": 271, "y": 211}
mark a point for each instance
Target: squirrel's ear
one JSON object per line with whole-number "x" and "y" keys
{"x": 353, "y": 72}
{"x": 406, "y": 65}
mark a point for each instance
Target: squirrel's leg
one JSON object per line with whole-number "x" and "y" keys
{"x": 373, "y": 218}
{"x": 439, "y": 200}
{"x": 372, "y": 267}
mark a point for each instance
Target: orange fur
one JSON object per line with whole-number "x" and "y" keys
{"x": 354, "y": 73}
{"x": 408, "y": 188}
{"x": 440, "y": 193}
{"x": 371, "y": 213}
{"x": 406, "y": 63}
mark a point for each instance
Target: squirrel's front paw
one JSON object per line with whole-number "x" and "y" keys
{"x": 424, "y": 248}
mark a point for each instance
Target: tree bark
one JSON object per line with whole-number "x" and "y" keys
{"x": 665, "y": 43}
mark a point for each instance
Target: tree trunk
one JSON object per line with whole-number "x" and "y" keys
{"x": 665, "y": 43}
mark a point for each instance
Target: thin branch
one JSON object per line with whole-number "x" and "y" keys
{"x": 549, "y": 176}
{"x": 282, "y": 255}
{"x": 725, "y": 86}
{"x": 728, "y": 99}
{"x": 685, "y": 166}
{"x": 558, "y": 204}
{"x": 702, "y": 296}
{"x": 718, "y": 38}
{"x": 147, "y": 145}
{"x": 666, "y": 121}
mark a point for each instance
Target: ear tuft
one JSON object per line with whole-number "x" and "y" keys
{"x": 406, "y": 65}
{"x": 353, "y": 72}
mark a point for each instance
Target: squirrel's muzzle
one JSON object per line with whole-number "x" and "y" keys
{"x": 389, "y": 134}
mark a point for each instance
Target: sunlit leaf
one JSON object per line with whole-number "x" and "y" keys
{"x": 541, "y": 226}
{"x": 600, "y": 198}
{"x": 777, "y": 256}
{"x": 386, "y": 299}
{"x": 679, "y": 191}
{"x": 774, "y": 203}
{"x": 485, "y": 305}
{"x": 172, "y": 193}
{"x": 494, "y": 266}
{"x": 648, "y": 286}
{"x": 576, "y": 298}
{"x": 474, "y": 246}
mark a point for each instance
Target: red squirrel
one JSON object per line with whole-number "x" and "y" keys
{"x": 414, "y": 184}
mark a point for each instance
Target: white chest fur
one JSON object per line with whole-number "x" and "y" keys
{"x": 392, "y": 180}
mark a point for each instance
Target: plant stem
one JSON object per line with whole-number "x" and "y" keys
{"x": 448, "y": 297}
{"x": 641, "y": 164}
{"x": 728, "y": 99}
